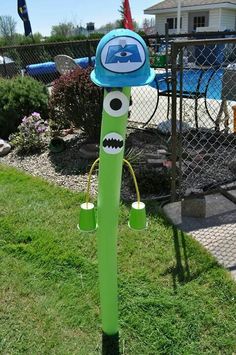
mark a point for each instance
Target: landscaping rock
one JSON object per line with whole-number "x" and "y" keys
{"x": 198, "y": 159}
{"x": 168, "y": 164}
{"x": 162, "y": 146}
{"x": 232, "y": 166}
{"x": 150, "y": 156}
{"x": 155, "y": 156}
{"x": 191, "y": 166}
{"x": 190, "y": 192}
{"x": 149, "y": 147}
{"x": 155, "y": 162}
{"x": 89, "y": 151}
{"x": 68, "y": 131}
{"x": 4, "y": 148}
{"x": 208, "y": 157}
{"x": 165, "y": 127}
{"x": 162, "y": 152}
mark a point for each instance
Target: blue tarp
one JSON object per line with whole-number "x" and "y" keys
{"x": 41, "y": 68}
{"x": 84, "y": 62}
{"x": 50, "y": 67}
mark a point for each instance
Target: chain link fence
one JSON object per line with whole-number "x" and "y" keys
{"x": 203, "y": 74}
{"x": 204, "y": 97}
{"x": 37, "y": 60}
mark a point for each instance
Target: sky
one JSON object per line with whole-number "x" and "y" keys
{"x": 46, "y": 13}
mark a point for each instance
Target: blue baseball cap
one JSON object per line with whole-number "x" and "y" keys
{"x": 122, "y": 59}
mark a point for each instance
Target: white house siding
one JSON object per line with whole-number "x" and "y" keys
{"x": 228, "y": 19}
{"x": 160, "y": 24}
{"x": 219, "y": 20}
{"x": 214, "y": 19}
{"x": 184, "y": 16}
{"x": 161, "y": 20}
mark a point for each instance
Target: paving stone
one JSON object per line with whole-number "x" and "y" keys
{"x": 216, "y": 232}
{"x": 232, "y": 195}
{"x": 193, "y": 207}
{"x": 233, "y": 273}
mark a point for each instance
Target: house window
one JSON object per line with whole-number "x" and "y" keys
{"x": 199, "y": 21}
{"x": 172, "y": 23}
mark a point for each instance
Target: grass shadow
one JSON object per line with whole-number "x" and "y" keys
{"x": 181, "y": 271}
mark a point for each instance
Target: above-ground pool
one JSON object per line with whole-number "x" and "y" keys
{"x": 195, "y": 82}
{"x": 50, "y": 67}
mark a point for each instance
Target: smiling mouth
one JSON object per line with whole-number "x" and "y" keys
{"x": 113, "y": 143}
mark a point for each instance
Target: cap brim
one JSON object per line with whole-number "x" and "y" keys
{"x": 126, "y": 83}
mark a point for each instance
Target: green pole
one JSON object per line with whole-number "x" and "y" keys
{"x": 113, "y": 132}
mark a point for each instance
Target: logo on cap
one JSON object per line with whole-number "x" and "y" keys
{"x": 123, "y": 55}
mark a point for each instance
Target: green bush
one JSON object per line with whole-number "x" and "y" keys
{"x": 77, "y": 101}
{"x": 20, "y": 97}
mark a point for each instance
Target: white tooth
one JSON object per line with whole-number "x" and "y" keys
{"x": 113, "y": 150}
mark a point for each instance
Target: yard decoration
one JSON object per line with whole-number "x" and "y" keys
{"x": 122, "y": 61}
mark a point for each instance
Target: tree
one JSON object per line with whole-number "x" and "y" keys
{"x": 109, "y": 26}
{"x": 136, "y": 25}
{"x": 149, "y": 25}
{"x": 122, "y": 14}
{"x": 64, "y": 29}
{"x": 116, "y": 24}
{"x": 7, "y": 27}
{"x": 22, "y": 39}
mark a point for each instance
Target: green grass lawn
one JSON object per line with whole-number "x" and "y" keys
{"x": 174, "y": 297}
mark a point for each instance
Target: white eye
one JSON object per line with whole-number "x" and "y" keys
{"x": 116, "y": 104}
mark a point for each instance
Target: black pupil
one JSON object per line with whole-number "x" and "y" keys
{"x": 123, "y": 54}
{"x": 115, "y": 104}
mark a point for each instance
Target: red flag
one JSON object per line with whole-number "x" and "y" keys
{"x": 128, "y": 23}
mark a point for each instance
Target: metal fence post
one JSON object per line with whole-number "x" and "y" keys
{"x": 174, "y": 53}
{"x": 180, "y": 129}
{"x": 89, "y": 51}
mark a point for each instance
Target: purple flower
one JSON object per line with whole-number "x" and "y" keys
{"x": 41, "y": 129}
{"x": 35, "y": 114}
{"x": 37, "y": 123}
{"x": 24, "y": 120}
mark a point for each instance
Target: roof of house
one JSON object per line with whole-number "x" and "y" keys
{"x": 170, "y": 4}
